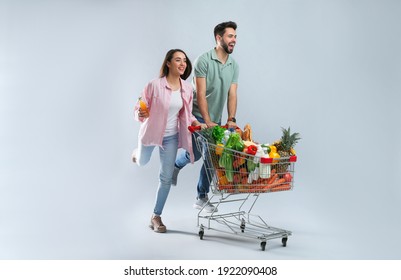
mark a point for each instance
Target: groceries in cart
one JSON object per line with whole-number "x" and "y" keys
{"x": 242, "y": 165}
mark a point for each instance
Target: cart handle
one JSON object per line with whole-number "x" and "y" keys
{"x": 193, "y": 128}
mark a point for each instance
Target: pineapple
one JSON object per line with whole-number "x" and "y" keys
{"x": 285, "y": 147}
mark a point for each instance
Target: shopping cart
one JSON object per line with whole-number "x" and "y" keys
{"x": 241, "y": 185}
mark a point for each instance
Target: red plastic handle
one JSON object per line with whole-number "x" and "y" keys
{"x": 193, "y": 128}
{"x": 226, "y": 127}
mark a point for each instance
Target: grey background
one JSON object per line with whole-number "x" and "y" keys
{"x": 70, "y": 73}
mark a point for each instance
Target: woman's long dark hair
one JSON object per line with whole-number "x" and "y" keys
{"x": 164, "y": 69}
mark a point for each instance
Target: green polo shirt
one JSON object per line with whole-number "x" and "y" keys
{"x": 219, "y": 78}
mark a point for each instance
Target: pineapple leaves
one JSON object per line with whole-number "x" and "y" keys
{"x": 289, "y": 140}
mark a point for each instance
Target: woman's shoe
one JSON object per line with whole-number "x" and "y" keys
{"x": 157, "y": 225}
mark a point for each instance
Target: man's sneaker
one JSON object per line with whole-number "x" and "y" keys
{"x": 175, "y": 175}
{"x": 204, "y": 204}
{"x": 134, "y": 155}
{"x": 157, "y": 225}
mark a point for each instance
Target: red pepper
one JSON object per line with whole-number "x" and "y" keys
{"x": 252, "y": 149}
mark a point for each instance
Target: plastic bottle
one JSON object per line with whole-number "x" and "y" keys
{"x": 255, "y": 173}
{"x": 259, "y": 154}
{"x": 266, "y": 148}
{"x": 226, "y": 136}
{"x": 264, "y": 167}
{"x": 142, "y": 104}
{"x": 256, "y": 159}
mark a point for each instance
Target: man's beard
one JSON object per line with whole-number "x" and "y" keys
{"x": 225, "y": 47}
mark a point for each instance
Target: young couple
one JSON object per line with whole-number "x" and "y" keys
{"x": 174, "y": 104}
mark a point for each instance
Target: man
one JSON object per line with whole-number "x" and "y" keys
{"x": 215, "y": 85}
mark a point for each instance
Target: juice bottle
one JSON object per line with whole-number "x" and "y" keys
{"x": 142, "y": 104}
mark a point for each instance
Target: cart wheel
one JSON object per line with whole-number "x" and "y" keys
{"x": 242, "y": 225}
{"x": 284, "y": 241}
{"x": 201, "y": 232}
{"x": 263, "y": 245}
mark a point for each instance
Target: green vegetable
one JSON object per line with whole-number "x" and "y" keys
{"x": 226, "y": 162}
{"x": 218, "y": 133}
{"x": 208, "y": 134}
{"x": 250, "y": 164}
{"x": 235, "y": 142}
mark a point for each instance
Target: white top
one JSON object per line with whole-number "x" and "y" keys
{"x": 172, "y": 118}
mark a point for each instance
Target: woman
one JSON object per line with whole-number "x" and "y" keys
{"x": 164, "y": 123}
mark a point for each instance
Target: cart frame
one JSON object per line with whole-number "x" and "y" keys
{"x": 240, "y": 222}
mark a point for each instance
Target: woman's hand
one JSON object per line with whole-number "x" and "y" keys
{"x": 143, "y": 113}
{"x": 203, "y": 126}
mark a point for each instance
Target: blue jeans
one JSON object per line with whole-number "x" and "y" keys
{"x": 167, "y": 153}
{"x": 183, "y": 159}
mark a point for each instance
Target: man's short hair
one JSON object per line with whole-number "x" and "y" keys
{"x": 221, "y": 28}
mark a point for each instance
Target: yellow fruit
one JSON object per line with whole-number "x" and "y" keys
{"x": 273, "y": 149}
{"x": 274, "y": 155}
{"x": 219, "y": 149}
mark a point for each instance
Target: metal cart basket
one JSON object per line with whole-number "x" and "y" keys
{"x": 241, "y": 186}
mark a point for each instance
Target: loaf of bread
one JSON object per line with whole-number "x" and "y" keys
{"x": 247, "y": 133}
